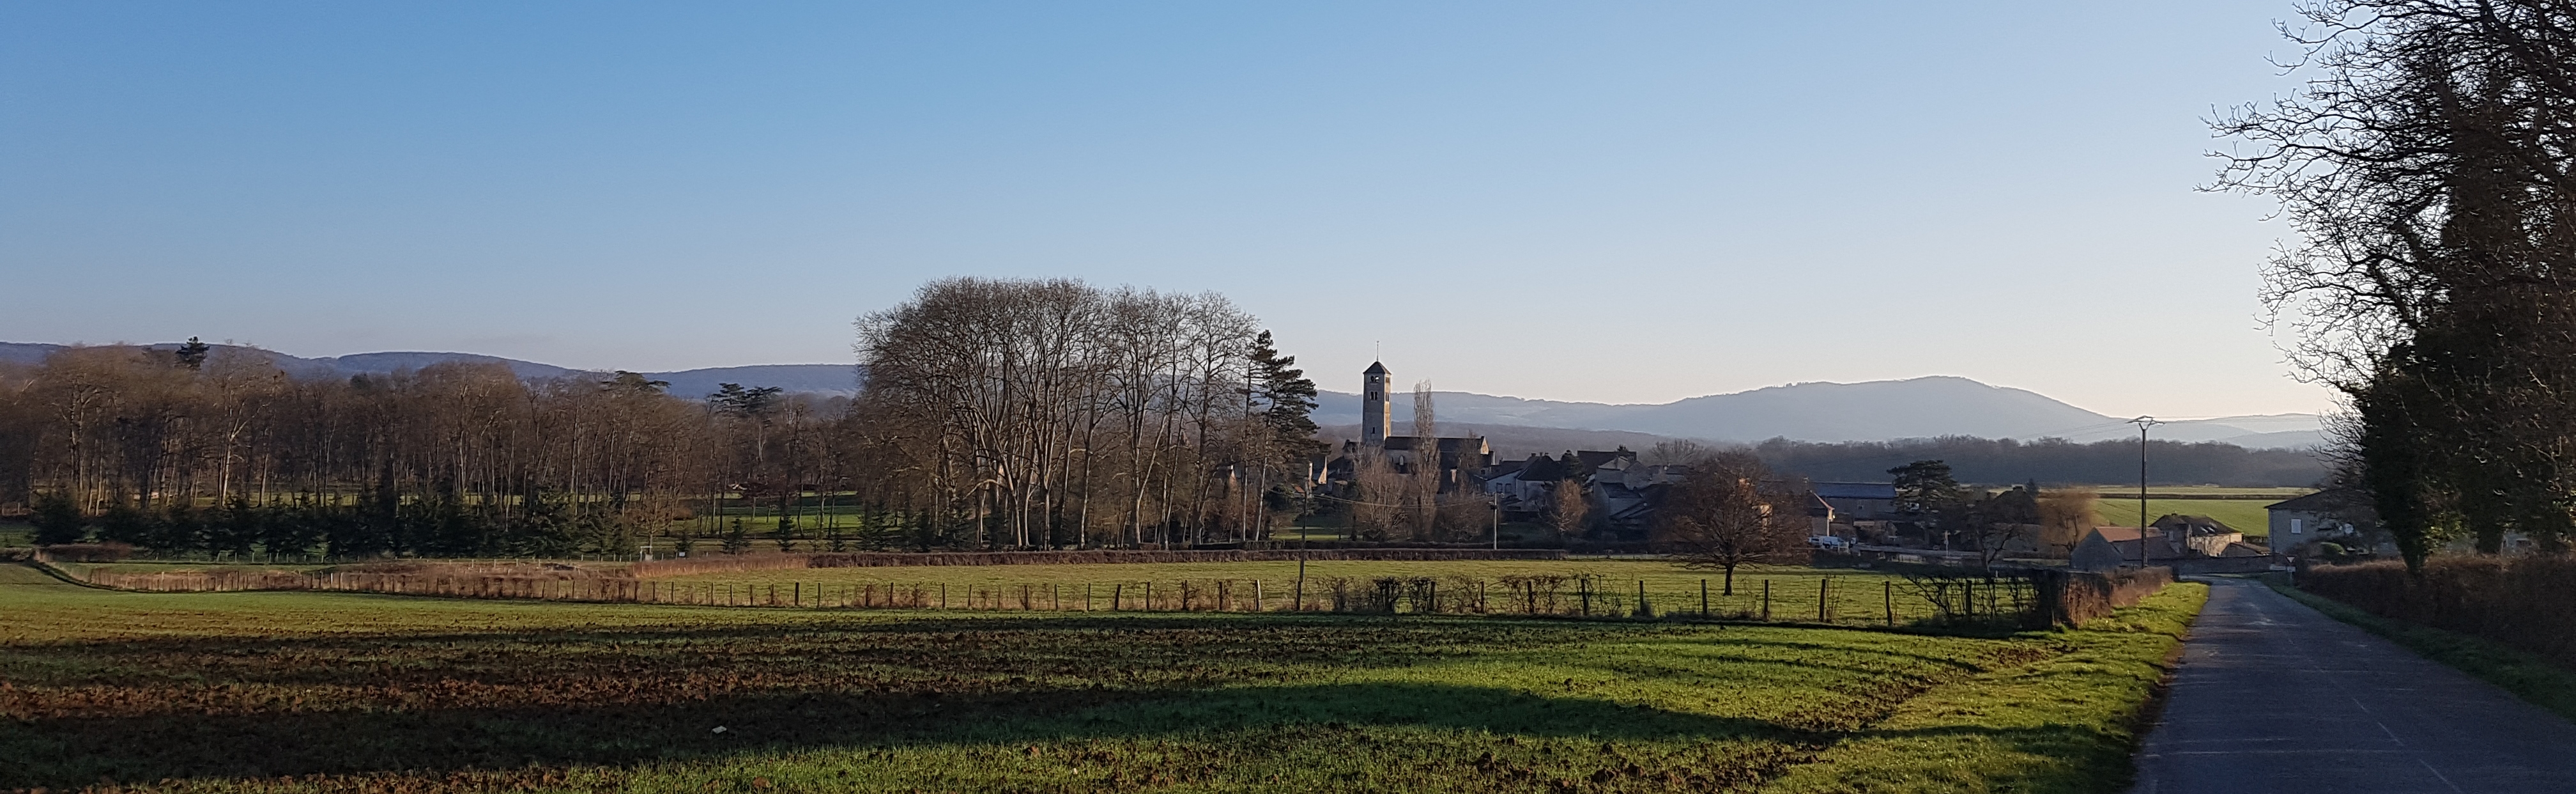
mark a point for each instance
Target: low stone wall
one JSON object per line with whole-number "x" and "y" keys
{"x": 2197, "y": 566}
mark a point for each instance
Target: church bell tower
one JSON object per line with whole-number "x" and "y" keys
{"x": 1375, "y": 421}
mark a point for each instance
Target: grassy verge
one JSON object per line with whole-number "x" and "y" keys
{"x": 2525, "y": 675}
{"x": 2064, "y": 724}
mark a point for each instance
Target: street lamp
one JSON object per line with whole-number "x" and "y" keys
{"x": 2143, "y": 424}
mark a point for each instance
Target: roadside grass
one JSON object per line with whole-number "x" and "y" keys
{"x": 1857, "y": 597}
{"x": 2525, "y": 675}
{"x": 2064, "y": 724}
{"x": 331, "y": 692}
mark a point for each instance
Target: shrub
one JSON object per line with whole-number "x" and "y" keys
{"x": 2519, "y": 601}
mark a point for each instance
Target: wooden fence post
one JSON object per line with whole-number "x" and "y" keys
{"x": 1821, "y": 601}
{"x": 1300, "y": 598}
{"x": 1703, "y": 599}
{"x": 1890, "y": 595}
{"x": 1766, "y": 599}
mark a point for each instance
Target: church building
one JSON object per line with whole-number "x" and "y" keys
{"x": 1459, "y": 456}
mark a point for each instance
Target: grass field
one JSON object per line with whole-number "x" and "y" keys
{"x": 2245, "y": 516}
{"x": 342, "y": 692}
{"x": 1857, "y": 597}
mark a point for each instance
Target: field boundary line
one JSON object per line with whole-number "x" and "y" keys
{"x": 48, "y": 569}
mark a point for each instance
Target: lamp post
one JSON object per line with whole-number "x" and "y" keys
{"x": 2143, "y": 424}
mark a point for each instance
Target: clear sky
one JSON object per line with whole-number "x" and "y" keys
{"x": 1596, "y": 201}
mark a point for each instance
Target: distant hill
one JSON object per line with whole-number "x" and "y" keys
{"x": 825, "y": 378}
{"x": 1514, "y": 443}
{"x": 1920, "y": 408}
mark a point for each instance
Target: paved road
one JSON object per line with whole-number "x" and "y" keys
{"x": 2274, "y": 697}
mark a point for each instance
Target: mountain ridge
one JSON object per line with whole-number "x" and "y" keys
{"x": 823, "y": 378}
{"x": 1915, "y": 408}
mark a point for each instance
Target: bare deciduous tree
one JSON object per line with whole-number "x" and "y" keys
{"x": 1730, "y": 512}
{"x": 2065, "y": 515}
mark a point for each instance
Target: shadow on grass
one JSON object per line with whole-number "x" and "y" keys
{"x": 75, "y": 751}
{"x": 431, "y": 702}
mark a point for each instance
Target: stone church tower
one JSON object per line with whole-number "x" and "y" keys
{"x": 1375, "y": 419}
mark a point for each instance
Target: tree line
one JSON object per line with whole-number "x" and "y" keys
{"x": 995, "y": 414}
{"x": 2426, "y": 171}
{"x": 2049, "y": 461}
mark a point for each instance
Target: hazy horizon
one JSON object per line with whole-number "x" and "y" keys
{"x": 1629, "y": 205}
{"x": 1323, "y": 380}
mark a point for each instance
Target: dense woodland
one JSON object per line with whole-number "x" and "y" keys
{"x": 2005, "y": 462}
{"x": 996, "y": 415}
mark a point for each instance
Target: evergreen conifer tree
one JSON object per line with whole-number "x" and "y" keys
{"x": 193, "y": 354}
{"x": 737, "y": 540}
{"x": 58, "y": 521}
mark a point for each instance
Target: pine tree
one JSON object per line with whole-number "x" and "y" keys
{"x": 737, "y": 540}
{"x": 1287, "y": 398}
{"x": 58, "y": 521}
{"x": 123, "y": 523}
{"x": 786, "y": 534}
{"x": 193, "y": 354}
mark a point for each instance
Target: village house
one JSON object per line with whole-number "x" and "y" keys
{"x": 2187, "y": 544}
{"x": 2340, "y": 516}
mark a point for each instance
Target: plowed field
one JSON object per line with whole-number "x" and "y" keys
{"x": 346, "y": 692}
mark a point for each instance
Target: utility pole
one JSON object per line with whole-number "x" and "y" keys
{"x": 2143, "y": 424}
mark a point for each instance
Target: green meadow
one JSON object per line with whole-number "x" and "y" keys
{"x": 2246, "y": 516}
{"x": 295, "y": 691}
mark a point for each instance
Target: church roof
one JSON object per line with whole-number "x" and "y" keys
{"x": 1856, "y": 490}
{"x": 1593, "y": 460}
{"x": 1447, "y": 444}
{"x": 1374, "y": 369}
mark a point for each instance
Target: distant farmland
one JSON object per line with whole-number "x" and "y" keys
{"x": 2241, "y": 509}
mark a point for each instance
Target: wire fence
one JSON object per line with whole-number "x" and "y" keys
{"x": 2032, "y": 599}
{"x": 1817, "y": 600}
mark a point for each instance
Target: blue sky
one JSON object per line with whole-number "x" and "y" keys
{"x": 1618, "y": 203}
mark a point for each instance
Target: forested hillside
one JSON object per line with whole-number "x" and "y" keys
{"x": 2050, "y": 462}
